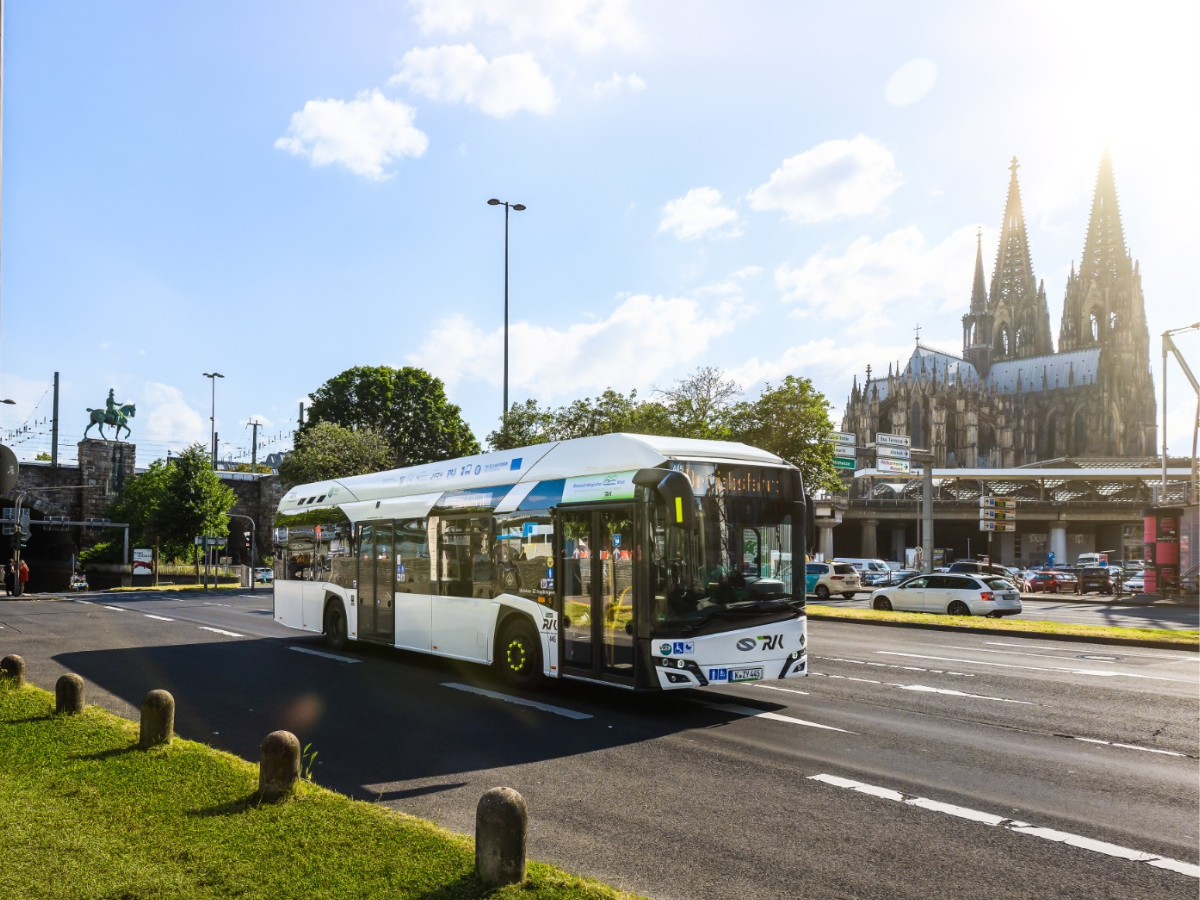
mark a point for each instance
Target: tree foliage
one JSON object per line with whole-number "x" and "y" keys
{"x": 325, "y": 451}
{"x": 407, "y": 406}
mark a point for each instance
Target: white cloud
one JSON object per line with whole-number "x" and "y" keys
{"x": 364, "y": 134}
{"x": 698, "y": 213}
{"x": 911, "y": 82}
{"x": 170, "y": 419}
{"x": 623, "y": 351}
{"x": 880, "y": 282}
{"x": 461, "y": 74}
{"x": 836, "y": 179}
{"x": 584, "y": 24}
{"x": 631, "y": 82}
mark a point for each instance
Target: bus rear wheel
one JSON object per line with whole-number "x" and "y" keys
{"x": 520, "y": 656}
{"x": 335, "y": 625}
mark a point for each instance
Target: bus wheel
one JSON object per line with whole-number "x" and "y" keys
{"x": 520, "y": 656}
{"x": 335, "y": 625}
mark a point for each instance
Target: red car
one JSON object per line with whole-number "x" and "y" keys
{"x": 1051, "y": 583}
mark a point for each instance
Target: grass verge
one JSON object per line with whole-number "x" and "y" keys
{"x": 1100, "y": 633}
{"x": 84, "y": 814}
{"x": 227, "y": 586}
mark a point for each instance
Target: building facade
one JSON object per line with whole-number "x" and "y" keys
{"x": 1012, "y": 398}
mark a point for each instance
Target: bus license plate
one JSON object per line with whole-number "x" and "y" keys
{"x": 745, "y": 675}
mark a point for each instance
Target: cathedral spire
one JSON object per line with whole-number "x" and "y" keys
{"x": 1104, "y": 249}
{"x": 978, "y": 291}
{"x": 1022, "y": 318}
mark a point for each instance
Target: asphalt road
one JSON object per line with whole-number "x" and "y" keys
{"x": 1088, "y": 609}
{"x": 911, "y": 763}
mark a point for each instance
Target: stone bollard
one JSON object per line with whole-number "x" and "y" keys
{"x": 68, "y": 694}
{"x": 278, "y": 765}
{"x": 13, "y": 667}
{"x": 158, "y": 719}
{"x": 501, "y": 832}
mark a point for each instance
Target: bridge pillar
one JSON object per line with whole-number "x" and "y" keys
{"x": 898, "y": 537}
{"x": 870, "y": 527}
{"x": 1058, "y": 544}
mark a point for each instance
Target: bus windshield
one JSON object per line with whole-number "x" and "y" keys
{"x": 734, "y": 568}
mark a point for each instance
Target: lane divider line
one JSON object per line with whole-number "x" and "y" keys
{"x": 771, "y": 687}
{"x": 1126, "y": 746}
{"x": 1095, "y": 672}
{"x": 863, "y": 662}
{"x": 1124, "y": 652}
{"x": 324, "y": 655}
{"x": 774, "y": 717}
{"x": 518, "y": 701}
{"x": 117, "y": 608}
{"x": 920, "y": 688}
{"x": 159, "y": 618}
{"x": 1050, "y": 834}
{"x": 220, "y": 631}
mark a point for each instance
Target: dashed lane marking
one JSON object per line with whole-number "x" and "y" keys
{"x": 880, "y": 665}
{"x": 158, "y": 618}
{"x": 518, "y": 701}
{"x": 1092, "y": 672}
{"x": 323, "y": 654}
{"x": 1124, "y": 652}
{"x": 117, "y": 608}
{"x": 774, "y": 717}
{"x": 1125, "y": 746}
{"x": 220, "y": 631}
{"x": 771, "y": 687}
{"x": 921, "y": 688}
{"x": 984, "y": 818}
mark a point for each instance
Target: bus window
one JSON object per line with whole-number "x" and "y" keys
{"x": 464, "y": 556}
{"x": 524, "y": 556}
{"x": 412, "y": 556}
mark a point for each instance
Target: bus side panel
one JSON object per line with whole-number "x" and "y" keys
{"x": 289, "y": 604}
{"x": 463, "y": 627}
{"x": 414, "y": 613}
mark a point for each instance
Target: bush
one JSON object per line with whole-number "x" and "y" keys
{"x": 102, "y": 552}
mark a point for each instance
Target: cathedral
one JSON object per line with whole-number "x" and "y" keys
{"x": 1011, "y": 398}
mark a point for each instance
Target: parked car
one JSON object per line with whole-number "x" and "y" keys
{"x": 1134, "y": 584}
{"x": 263, "y": 575}
{"x": 966, "y": 567}
{"x": 825, "y": 578}
{"x": 954, "y": 594}
{"x": 1095, "y": 578}
{"x": 899, "y": 576}
{"x": 870, "y": 571}
{"x": 1051, "y": 581}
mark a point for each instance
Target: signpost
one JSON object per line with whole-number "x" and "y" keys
{"x": 845, "y": 450}
{"x": 893, "y": 453}
{"x": 997, "y": 514}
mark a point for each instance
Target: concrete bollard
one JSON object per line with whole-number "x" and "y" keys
{"x": 68, "y": 694}
{"x": 278, "y": 765}
{"x": 501, "y": 833}
{"x": 13, "y": 667}
{"x": 158, "y": 719}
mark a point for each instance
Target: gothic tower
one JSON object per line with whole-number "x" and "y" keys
{"x": 1018, "y": 305}
{"x": 979, "y": 323}
{"x": 1104, "y": 308}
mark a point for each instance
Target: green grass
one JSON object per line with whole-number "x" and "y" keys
{"x": 1016, "y": 626}
{"x": 85, "y": 814}
{"x": 226, "y": 586}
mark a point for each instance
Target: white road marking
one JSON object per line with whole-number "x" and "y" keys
{"x": 1034, "y": 655}
{"x": 322, "y": 653}
{"x": 1129, "y": 746}
{"x": 84, "y": 602}
{"x": 774, "y": 717}
{"x": 532, "y": 704}
{"x": 771, "y": 687}
{"x": 863, "y": 662}
{"x": 920, "y": 688}
{"x": 1190, "y": 659}
{"x": 1093, "y": 672}
{"x": 117, "y": 608}
{"x": 221, "y": 631}
{"x": 159, "y": 618}
{"x": 1074, "y": 840}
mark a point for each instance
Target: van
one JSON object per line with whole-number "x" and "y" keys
{"x": 873, "y": 572}
{"x": 1092, "y": 559}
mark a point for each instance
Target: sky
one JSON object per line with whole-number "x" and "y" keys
{"x": 280, "y": 191}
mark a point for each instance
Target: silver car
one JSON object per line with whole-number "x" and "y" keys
{"x": 956, "y": 595}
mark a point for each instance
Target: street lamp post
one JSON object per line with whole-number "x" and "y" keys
{"x": 212, "y": 419}
{"x": 518, "y": 207}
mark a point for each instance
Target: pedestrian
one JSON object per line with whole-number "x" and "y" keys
{"x": 23, "y": 577}
{"x": 8, "y": 577}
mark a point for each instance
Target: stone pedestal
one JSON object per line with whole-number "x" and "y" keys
{"x": 104, "y": 469}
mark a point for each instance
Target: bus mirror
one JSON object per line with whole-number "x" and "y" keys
{"x": 675, "y": 491}
{"x": 810, "y": 522}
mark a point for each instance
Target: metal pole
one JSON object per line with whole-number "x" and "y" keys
{"x": 54, "y": 428}
{"x": 1162, "y": 494}
{"x": 504, "y": 418}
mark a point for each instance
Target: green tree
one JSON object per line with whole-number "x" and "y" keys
{"x": 193, "y": 502}
{"x": 791, "y": 421}
{"x": 407, "y": 406}
{"x": 140, "y": 502}
{"x": 326, "y": 451}
{"x": 527, "y": 424}
{"x": 700, "y": 405}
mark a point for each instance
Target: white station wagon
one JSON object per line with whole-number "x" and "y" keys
{"x": 956, "y": 595}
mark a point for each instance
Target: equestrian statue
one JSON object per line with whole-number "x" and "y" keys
{"x": 112, "y": 415}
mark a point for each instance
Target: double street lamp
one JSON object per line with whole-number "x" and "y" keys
{"x": 212, "y": 419}
{"x": 518, "y": 207}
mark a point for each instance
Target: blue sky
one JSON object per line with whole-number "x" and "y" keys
{"x": 279, "y": 191}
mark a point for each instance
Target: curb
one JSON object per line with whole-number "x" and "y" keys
{"x": 1004, "y": 632}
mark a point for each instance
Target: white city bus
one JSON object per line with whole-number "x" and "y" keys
{"x": 642, "y": 562}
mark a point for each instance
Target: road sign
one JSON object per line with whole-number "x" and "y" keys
{"x": 985, "y": 525}
{"x": 842, "y": 437}
{"x": 893, "y": 440}
{"x": 844, "y": 462}
{"x": 210, "y": 541}
{"x": 893, "y": 452}
{"x": 997, "y": 502}
{"x": 893, "y": 466}
{"x": 997, "y": 515}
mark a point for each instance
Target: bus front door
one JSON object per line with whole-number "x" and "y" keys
{"x": 376, "y": 586}
{"x": 595, "y": 549}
